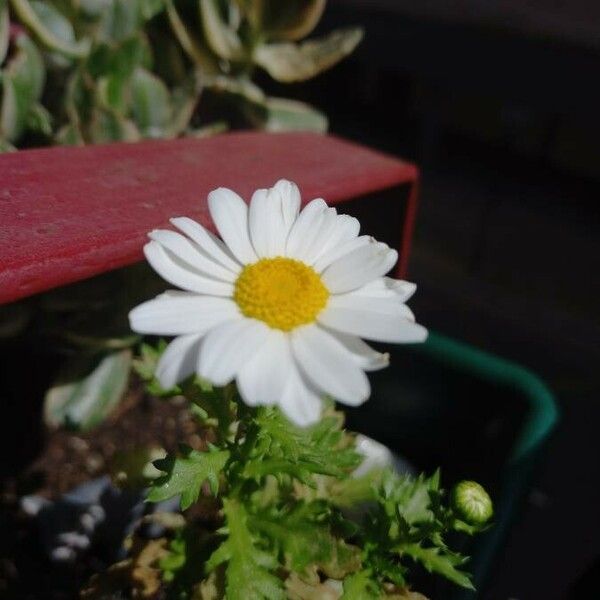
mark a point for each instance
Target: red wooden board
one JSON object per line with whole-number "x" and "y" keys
{"x": 71, "y": 213}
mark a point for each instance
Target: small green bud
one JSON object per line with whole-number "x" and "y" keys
{"x": 472, "y": 503}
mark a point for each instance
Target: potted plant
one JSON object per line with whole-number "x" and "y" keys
{"x": 279, "y": 502}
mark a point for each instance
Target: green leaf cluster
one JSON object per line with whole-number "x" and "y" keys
{"x": 281, "y": 529}
{"x": 408, "y": 526}
{"x": 91, "y": 71}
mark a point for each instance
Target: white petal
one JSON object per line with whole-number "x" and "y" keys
{"x": 318, "y": 237}
{"x": 179, "y": 360}
{"x": 190, "y": 254}
{"x": 209, "y": 243}
{"x": 337, "y": 252}
{"x": 328, "y": 365}
{"x": 382, "y": 319}
{"x": 262, "y": 379}
{"x": 290, "y": 201}
{"x": 271, "y": 216}
{"x": 227, "y": 347}
{"x": 359, "y": 267}
{"x": 343, "y": 229}
{"x": 176, "y": 272}
{"x": 389, "y": 305}
{"x": 365, "y": 357}
{"x": 300, "y": 403}
{"x": 230, "y": 214}
{"x": 177, "y": 313}
{"x": 305, "y": 227}
{"x": 386, "y": 287}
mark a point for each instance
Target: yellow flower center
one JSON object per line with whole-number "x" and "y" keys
{"x": 283, "y": 292}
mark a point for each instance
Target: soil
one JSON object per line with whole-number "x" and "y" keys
{"x": 68, "y": 459}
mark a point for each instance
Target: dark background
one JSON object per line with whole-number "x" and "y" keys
{"x": 499, "y": 105}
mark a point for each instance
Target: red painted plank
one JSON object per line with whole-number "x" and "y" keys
{"x": 70, "y": 213}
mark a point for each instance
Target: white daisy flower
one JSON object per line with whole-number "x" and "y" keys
{"x": 280, "y": 304}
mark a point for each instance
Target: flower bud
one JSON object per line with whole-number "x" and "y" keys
{"x": 472, "y": 503}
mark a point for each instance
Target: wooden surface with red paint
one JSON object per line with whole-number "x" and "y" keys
{"x": 70, "y": 213}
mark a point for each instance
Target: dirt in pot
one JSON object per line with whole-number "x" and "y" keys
{"x": 81, "y": 461}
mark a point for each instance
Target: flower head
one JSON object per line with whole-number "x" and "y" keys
{"x": 279, "y": 304}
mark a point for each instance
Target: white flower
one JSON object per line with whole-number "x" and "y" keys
{"x": 279, "y": 305}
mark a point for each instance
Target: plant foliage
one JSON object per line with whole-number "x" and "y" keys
{"x": 88, "y": 71}
{"x": 282, "y": 531}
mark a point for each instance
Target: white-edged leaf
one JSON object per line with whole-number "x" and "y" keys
{"x": 84, "y": 398}
{"x": 151, "y": 103}
{"x": 290, "y": 62}
{"x": 289, "y": 20}
{"x": 184, "y": 475}
{"x": 58, "y": 25}
{"x": 282, "y": 114}
{"x": 4, "y": 30}
{"x": 28, "y": 16}
{"x": 8, "y": 110}
{"x": 222, "y": 39}
{"x": 23, "y": 81}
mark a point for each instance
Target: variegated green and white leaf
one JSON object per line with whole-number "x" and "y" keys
{"x": 151, "y": 104}
{"x": 44, "y": 34}
{"x": 84, "y": 398}
{"x": 4, "y": 30}
{"x": 222, "y": 39}
{"x": 22, "y": 83}
{"x": 282, "y": 114}
{"x": 290, "y": 62}
{"x": 290, "y": 20}
{"x": 58, "y": 25}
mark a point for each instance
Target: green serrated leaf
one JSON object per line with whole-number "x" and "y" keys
{"x": 84, "y": 397}
{"x": 360, "y": 586}
{"x": 288, "y": 62}
{"x": 283, "y": 448}
{"x": 440, "y": 561}
{"x": 145, "y": 366}
{"x": 297, "y": 534}
{"x": 248, "y": 568}
{"x": 408, "y": 497}
{"x": 185, "y": 475}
